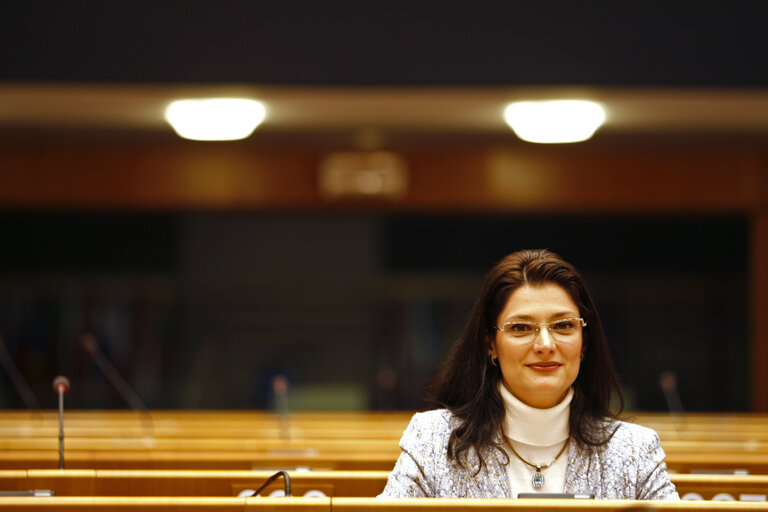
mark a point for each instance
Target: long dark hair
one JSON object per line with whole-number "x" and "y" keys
{"x": 467, "y": 383}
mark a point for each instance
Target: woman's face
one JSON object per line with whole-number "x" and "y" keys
{"x": 538, "y": 372}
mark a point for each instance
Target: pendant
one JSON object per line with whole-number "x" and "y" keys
{"x": 538, "y": 479}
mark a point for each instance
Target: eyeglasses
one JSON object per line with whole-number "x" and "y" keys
{"x": 564, "y": 330}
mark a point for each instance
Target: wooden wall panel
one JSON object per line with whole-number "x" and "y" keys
{"x": 620, "y": 181}
{"x": 154, "y": 177}
{"x": 233, "y": 176}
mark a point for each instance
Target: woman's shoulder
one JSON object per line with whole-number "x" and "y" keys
{"x": 434, "y": 420}
{"x": 428, "y": 430}
{"x": 626, "y": 429}
{"x": 626, "y": 434}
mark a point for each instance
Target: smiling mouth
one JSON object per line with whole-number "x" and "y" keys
{"x": 544, "y": 367}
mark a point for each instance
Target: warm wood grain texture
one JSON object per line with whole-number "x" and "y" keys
{"x": 533, "y": 505}
{"x": 330, "y": 483}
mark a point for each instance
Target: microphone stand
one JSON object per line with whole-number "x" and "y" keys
{"x": 280, "y": 390}
{"x": 61, "y": 429}
{"x": 61, "y": 386}
{"x": 668, "y": 384}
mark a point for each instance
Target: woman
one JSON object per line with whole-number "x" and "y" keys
{"x": 526, "y": 395}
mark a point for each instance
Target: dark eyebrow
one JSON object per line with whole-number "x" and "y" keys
{"x": 522, "y": 317}
{"x": 554, "y": 317}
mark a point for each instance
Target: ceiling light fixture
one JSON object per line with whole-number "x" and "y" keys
{"x": 554, "y": 121}
{"x": 214, "y": 118}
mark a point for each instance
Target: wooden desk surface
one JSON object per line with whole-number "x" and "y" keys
{"x": 533, "y": 505}
{"x": 159, "y": 424}
{"x": 754, "y": 463}
{"x": 330, "y": 483}
{"x": 137, "y": 504}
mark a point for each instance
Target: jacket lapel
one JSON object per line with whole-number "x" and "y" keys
{"x": 582, "y": 475}
{"x": 490, "y": 481}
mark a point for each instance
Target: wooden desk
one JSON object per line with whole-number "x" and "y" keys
{"x": 330, "y": 483}
{"x": 534, "y": 505}
{"x": 47, "y": 459}
{"x": 229, "y": 440}
{"x": 180, "y": 504}
{"x": 137, "y": 504}
{"x": 755, "y": 463}
{"x": 351, "y": 444}
{"x": 325, "y": 425}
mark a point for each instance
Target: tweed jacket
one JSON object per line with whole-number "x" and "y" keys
{"x": 630, "y": 466}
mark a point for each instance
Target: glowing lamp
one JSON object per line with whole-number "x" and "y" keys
{"x": 214, "y": 118}
{"x": 554, "y": 121}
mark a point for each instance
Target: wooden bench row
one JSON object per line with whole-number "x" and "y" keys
{"x": 136, "y": 504}
{"x": 754, "y": 463}
{"x": 721, "y": 434}
{"x": 304, "y": 425}
{"x": 390, "y": 446}
{"x": 313, "y": 483}
{"x": 340, "y": 441}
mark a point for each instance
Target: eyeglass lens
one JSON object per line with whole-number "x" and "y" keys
{"x": 564, "y": 331}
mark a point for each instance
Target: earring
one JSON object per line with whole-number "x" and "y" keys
{"x": 493, "y": 360}
{"x": 582, "y": 356}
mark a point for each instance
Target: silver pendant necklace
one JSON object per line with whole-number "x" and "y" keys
{"x": 538, "y": 476}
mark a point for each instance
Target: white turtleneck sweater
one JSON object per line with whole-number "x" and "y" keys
{"x": 538, "y": 436}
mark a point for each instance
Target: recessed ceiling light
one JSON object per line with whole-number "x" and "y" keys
{"x": 554, "y": 121}
{"x": 214, "y": 118}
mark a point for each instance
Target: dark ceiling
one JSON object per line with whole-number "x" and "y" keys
{"x": 396, "y": 42}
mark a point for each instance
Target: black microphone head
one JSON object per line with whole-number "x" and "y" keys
{"x": 61, "y": 383}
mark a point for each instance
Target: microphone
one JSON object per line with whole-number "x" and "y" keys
{"x": 61, "y": 386}
{"x": 280, "y": 390}
{"x": 106, "y": 367}
{"x": 25, "y": 392}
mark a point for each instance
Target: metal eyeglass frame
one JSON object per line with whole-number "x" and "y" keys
{"x": 538, "y": 326}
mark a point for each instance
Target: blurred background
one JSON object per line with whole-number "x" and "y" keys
{"x": 342, "y": 244}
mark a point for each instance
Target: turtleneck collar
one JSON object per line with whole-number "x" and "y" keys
{"x": 539, "y": 427}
